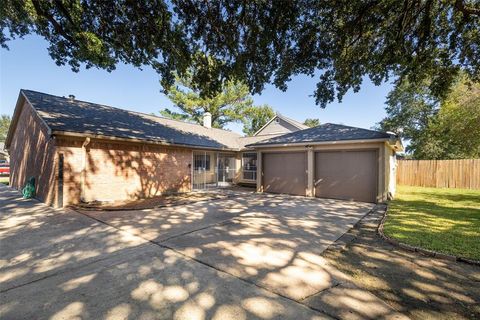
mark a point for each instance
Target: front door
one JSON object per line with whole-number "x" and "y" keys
{"x": 204, "y": 172}
{"x": 226, "y": 170}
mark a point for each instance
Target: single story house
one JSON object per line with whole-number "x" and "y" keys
{"x": 81, "y": 151}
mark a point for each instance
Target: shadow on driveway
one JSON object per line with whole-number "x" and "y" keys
{"x": 419, "y": 286}
{"x": 60, "y": 264}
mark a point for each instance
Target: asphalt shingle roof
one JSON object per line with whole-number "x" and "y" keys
{"x": 63, "y": 114}
{"x": 243, "y": 141}
{"x": 325, "y": 133}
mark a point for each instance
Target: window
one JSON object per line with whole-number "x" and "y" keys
{"x": 202, "y": 162}
{"x": 249, "y": 163}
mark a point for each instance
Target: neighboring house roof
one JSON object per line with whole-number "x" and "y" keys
{"x": 327, "y": 132}
{"x": 75, "y": 116}
{"x": 294, "y": 123}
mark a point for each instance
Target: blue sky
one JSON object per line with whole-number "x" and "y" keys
{"x": 27, "y": 65}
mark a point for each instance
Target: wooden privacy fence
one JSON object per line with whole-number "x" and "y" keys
{"x": 464, "y": 173}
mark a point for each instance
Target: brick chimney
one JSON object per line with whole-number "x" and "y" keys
{"x": 207, "y": 120}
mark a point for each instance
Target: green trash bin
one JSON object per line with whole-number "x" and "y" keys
{"x": 29, "y": 190}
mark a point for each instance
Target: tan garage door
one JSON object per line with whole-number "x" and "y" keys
{"x": 349, "y": 175}
{"x": 285, "y": 172}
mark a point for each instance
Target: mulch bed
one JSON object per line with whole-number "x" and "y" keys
{"x": 154, "y": 202}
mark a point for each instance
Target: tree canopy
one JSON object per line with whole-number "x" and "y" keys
{"x": 410, "y": 109}
{"x": 229, "y": 105}
{"x": 255, "y": 117}
{"x": 310, "y": 122}
{"x": 4, "y": 125}
{"x": 261, "y": 42}
{"x": 436, "y": 129}
{"x": 455, "y": 131}
{"x": 232, "y": 104}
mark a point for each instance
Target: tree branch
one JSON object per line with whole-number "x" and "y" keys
{"x": 58, "y": 28}
{"x": 460, "y": 6}
{"x": 64, "y": 10}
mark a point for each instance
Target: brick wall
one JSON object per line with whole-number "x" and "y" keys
{"x": 72, "y": 168}
{"x": 113, "y": 171}
{"x": 32, "y": 154}
{"x": 119, "y": 171}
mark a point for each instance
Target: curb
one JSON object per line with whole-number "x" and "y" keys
{"x": 426, "y": 252}
{"x": 352, "y": 233}
{"x": 167, "y": 205}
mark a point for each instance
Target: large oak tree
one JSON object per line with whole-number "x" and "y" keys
{"x": 261, "y": 42}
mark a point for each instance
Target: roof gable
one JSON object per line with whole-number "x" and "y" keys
{"x": 280, "y": 124}
{"x": 66, "y": 115}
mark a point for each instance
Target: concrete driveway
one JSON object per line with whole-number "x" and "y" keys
{"x": 247, "y": 257}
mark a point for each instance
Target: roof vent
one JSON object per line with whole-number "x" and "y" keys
{"x": 71, "y": 97}
{"x": 207, "y": 120}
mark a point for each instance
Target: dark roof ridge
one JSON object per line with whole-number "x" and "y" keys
{"x": 137, "y": 112}
{"x": 344, "y": 125}
{"x": 62, "y": 115}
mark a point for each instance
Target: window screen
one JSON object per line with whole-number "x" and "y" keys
{"x": 249, "y": 160}
{"x": 202, "y": 162}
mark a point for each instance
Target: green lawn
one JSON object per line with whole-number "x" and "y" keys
{"x": 445, "y": 220}
{"x": 4, "y": 180}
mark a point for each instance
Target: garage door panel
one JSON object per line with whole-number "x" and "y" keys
{"x": 349, "y": 175}
{"x": 285, "y": 173}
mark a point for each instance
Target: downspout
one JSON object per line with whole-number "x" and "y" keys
{"x": 310, "y": 172}
{"x": 84, "y": 168}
